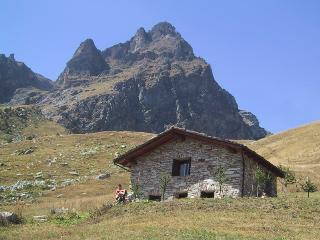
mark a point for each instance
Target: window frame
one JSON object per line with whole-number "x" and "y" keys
{"x": 176, "y": 167}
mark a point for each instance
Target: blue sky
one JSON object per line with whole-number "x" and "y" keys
{"x": 265, "y": 53}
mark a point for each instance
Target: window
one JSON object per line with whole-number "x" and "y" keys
{"x": 181, "y": 167}
{"x": 207, "y": 194}
{"x": 155, "y": 198}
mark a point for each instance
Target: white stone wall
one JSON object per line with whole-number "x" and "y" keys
{"x": 205, "y": 158}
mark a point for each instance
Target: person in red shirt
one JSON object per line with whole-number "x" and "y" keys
{"x": 120, "y": 194}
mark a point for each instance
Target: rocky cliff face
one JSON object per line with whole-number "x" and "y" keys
{"x": 87, "y": 61}
{"x": 149, "y": 83}
{"x": 16, "y": 77}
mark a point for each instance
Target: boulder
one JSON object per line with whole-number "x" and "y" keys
{"x": 103, "y": 176}
{"x": 38, "y": 175}
{"x": 41, "y": 218}
{"x": 9, "y": 217}
{"x": 74, "y": 173}
{"x": 59, "y": 210}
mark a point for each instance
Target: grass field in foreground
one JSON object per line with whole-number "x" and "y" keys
{"x": 285, "y": 217}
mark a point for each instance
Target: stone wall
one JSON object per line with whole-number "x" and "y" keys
{"x": 205, "y": 159}
{"x": 250, "y": 184}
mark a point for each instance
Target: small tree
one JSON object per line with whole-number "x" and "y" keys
{"x": 221, "y": 177}
{"x": 261, "y": 178}
{"x": 164, "y": 181}
{"x": 309, "y": 186}
{"x": 135, "y": 189}
{"x": 289, "y": 178}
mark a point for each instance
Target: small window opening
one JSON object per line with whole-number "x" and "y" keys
{"x": 155, "y": 198}
{"x": 182, "y": 195}
{"x": 181, "y": 167}
{"x": 207, "y": 194}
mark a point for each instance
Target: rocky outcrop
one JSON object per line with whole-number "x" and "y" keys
{"x": 86, "y": 61}
{"x": 149, "y": 83}
{"x": 252, "y": 121}
{"x": 162, "y": 41}
{"x": 16, "y": 75}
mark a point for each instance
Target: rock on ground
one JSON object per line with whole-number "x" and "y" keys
{"x": 103, "y": 176}
{"x": 9, "y": 217}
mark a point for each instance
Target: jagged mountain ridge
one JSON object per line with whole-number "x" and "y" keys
{"x": 148, "y": 83}
{"x": 18, "y": 81}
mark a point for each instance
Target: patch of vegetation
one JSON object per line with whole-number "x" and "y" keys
{"x": 69, "y": 218}
{"x": 309, "y": 187}
{"x": 20, "y": 123}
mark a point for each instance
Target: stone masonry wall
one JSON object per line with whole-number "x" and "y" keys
{"x": 205, "y": 158}
{"x": 250, "y": 184}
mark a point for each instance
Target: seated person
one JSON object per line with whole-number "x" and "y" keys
{"x": 120, "y": 194}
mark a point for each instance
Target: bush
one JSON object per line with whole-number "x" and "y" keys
{"x": 8, "y": 138}
{"x": 30, "y": 137}
{"x": 309, "y": 186}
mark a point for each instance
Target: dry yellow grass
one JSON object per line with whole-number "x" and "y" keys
{"x": 297, "y": 148}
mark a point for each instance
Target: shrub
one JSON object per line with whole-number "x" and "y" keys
{"x": 289, "y": 177}
{"x": 309, "y": 186}
{"x": 221, "y": 177}
{"x": 164, "y": 181}
{"x": 136, "y": 191}
{"x": 261, "y": 178}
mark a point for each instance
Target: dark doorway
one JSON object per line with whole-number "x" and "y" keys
{"x": 155, "y": 198}
{"x": 207, "y": 194}
{"x": 182, "y": 195}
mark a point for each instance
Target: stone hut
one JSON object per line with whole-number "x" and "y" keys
{"x": 192, "y": 162}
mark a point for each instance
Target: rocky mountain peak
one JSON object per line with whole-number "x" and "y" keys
{"x": 162, "y": 29}
{"x": 148, "y": 83}
{"x": 161, "y": 42}
{"x": 16, "y": 77}
{"x": 140, "y": 40}
{"x": 87, "y": 47}
{"x": 86, "y": 61}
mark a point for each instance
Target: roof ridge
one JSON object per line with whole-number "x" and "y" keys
{"x": 167, "y": 133}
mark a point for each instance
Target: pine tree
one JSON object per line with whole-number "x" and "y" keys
{"x": 309, "y": 186}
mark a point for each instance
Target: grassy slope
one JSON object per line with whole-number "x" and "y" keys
{"x": 87, "y": 154}
{"x": 294, "y": 217}
{"x": 18, "y": 123}
{"x": 297, "y": 148}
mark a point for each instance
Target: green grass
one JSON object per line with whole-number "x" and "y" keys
{"x": 71, "y": 218}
